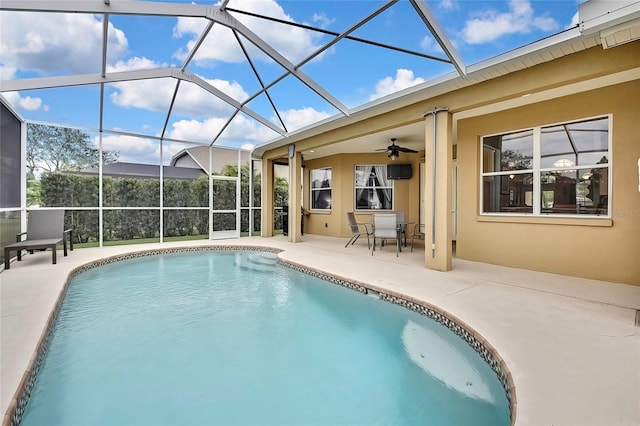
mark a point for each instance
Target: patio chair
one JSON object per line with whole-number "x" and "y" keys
{"x": 418, "y": 232}
{"x": 402, "y": 224}
{"x": 385, "y": 227}
{"x": 356, "y": 230}
{"x": 45, "y": 230}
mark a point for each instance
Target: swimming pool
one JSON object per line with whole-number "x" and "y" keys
{"x": 230, "y": 337}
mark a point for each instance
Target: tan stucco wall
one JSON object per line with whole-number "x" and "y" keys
{"x": 607, "y": 249}
{"x": 334, "y": 223}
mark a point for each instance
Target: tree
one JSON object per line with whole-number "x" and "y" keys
{"x": 57, "y": 149}
{"x": 514, "y": 160}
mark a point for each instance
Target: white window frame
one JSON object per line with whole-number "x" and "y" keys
{"x": 356, "y": 187}
{"x": 537, "y": 170}
{"x": 312, "y": 189}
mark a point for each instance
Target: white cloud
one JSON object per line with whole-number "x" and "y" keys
{"x": 152, "y": 95}
{"x": 52, "y": 43}
{"x": 132, "y": 149}
{"x": 429, "y": 44}
{"x": 490, "y": 25}
{"x": 196, "y": 130}
{"x": 31, "y": 104}
{"x": 448, "y": 5}
{"x": 298, "y": 118}
{"x": 56, "y": 42}
{"x": 7, "y": 72}
{"x": 404, "y": 78}
{"x": 241, "y": 131}
{"x": 135, "y": 63}
{"x": 292, "y": 42}
{"x": 322, "y": 19}
{"x": 156, "y": 94}
{"x": 26, "y": 103}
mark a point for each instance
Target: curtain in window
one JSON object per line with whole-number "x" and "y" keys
{"x": 373, "y": 189}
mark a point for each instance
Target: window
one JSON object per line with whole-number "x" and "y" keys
{"x": 321, "y": 189}
{"x": 561, "y": 169}
{"x": 373, "y": 190}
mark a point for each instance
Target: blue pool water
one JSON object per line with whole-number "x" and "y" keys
{"x": 200, "y": 339}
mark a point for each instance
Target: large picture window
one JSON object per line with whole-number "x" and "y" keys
{"x": 374, "y": 191}
{"x": 321, "y": 189}
{"x": 562, "y": 169}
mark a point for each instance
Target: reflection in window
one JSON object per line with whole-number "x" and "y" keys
{"x": 373, "y": 190}
{"x": 574, "y": 144}
{"x": 575, "y": 191}
{"x": 570, "y": 176}
{"x": 321, "y": 189}
{"x": 512, "y": 151}
{"x": 574, "y": 164}
{"x": 511, "y": 193}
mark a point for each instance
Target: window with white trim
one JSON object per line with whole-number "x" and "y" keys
{"x": 321, "y": 189}
{"x": 561, "y": 169}
{"x": 373, "y": 190}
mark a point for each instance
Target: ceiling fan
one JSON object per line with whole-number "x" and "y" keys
{"x": 394, "y": 150}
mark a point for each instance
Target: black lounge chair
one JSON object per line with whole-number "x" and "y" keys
{"x": 45, "y": 229}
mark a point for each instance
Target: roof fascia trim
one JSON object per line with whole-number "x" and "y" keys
{"x": 616, "y": 13}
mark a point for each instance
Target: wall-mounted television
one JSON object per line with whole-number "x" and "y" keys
{"x": 399, "y": 171}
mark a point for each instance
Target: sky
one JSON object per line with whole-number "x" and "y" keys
{"x": 34, "y": 45}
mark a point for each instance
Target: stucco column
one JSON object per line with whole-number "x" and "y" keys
{"x": 438, "y": 184}
{"x": 266, "y": 199}
{"x": 295, "y": 195}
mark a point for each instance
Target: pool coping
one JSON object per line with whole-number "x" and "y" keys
{"x": 20, "y": 399}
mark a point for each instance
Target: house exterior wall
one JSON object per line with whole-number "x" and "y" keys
{"x": 573, "y": 87}
{"x": 597, "y": 248}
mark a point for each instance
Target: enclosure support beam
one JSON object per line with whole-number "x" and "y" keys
{"x": 295, "y": 195}
{"x": 266, "y": 199}
{"x": 438, "y": 159}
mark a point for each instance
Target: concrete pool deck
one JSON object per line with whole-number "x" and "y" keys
{"x": 571, "y": 344}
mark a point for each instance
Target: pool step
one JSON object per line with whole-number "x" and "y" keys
{"x": 260, "y": 261}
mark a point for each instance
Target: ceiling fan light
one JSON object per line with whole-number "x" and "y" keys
{"x": 394, "y": 155}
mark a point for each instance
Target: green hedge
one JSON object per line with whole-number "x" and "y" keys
{"x": 72, "y": 190}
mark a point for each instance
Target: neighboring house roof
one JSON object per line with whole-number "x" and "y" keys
{"x": 189, "y": 163}
{"x": 122, "y": 169}
{"x": 198, "y": 156}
